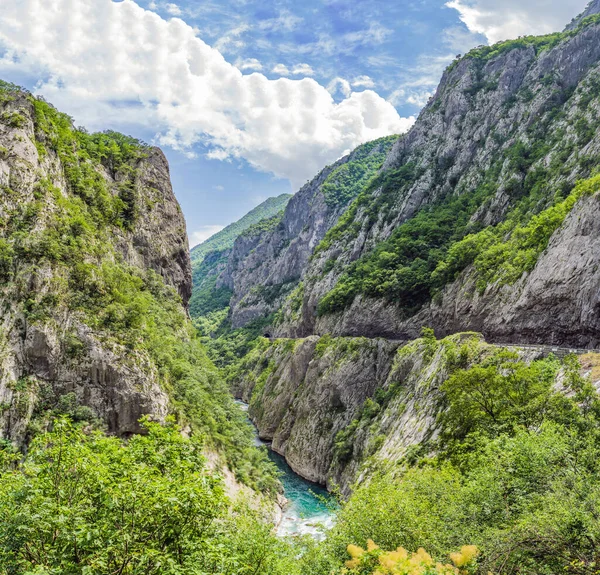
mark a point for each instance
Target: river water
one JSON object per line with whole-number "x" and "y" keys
{"x": 310, "y": 508}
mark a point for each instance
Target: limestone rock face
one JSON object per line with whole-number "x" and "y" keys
{"x": 47, "y": 350}
{"x": 480, "y": 110}
{"x": 265, "y": 266}
{"x": 159, "y": 239}
{"x": 335, "y": 407}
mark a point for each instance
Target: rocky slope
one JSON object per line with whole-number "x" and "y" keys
{"x": 267, "y": 262}
{"x": 509, "y": 132}
{"x": 483, "y": 218}
{"x": 340, "y": 408}
{"x": 89, "y": 226}
{"x": 209, "y": 259}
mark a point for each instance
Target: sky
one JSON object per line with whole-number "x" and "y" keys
{"x": 250, "y": 98}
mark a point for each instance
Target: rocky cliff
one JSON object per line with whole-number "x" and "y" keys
{"x": 268, "y": 261}
{"x": 483, "y": 218}
{"x": 492, "y": 159}
{"x": 508, "y": 134}
{"x": 91, "y": 236}
{"x": 340, "y": 408}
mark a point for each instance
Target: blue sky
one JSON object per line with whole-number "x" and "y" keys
{"x": 249, "y": 99}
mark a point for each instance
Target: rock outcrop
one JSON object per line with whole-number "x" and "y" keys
{"x": 267, "y": 264}
{"x": 338, "y": 408}
{"x": 483, "y": 108}
{"x": 56, "y": 237}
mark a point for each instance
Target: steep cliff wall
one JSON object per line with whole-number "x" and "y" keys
{"x": 267, "y": 263}
{"x": 92, "y": 243}
{"x": 510, "y": 131}
{"x": 339, "y": 408}
{"x": 483, "y": 218}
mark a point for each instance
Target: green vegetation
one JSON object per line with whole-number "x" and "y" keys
{"x": 206, "y": 297}
{"x": 130, "y": 309}
{"x": 80, "y": 154}
{"x": 209, "y": 305}
{"x": 538, "y": 43}
{"x": 515, "y": 472}
{"x": 345, "y": 182}
{"x": 83, "y": 503}
{"x": 503, "y": 253}
{"x": 401, "y": 268}
{"x": 431, "y": 249}
{"x": 224, "y": 239}
{"x": 263, "y": 226}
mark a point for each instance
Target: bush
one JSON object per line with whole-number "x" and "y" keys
{"x": 86, "y": 503}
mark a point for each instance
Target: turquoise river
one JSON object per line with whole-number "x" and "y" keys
{"x": 310, "y": 507}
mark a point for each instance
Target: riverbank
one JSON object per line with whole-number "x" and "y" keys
{"x": 309, "y": 509}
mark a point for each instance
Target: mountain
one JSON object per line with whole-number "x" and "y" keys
{"x": 209, "y": 258}
{"x": 267, "y": 263}
{"x": 224, "y": 239}
{"x": 95, "y": 280}
{"x": 482, "y": 218}
{"x": 468, "y": 224}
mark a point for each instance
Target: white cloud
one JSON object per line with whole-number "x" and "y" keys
{"x": 230, "y": 42}
{"x": 201, "y": 235}
{"x": 303, "y": 70}
{"x": 512, "y": 18}
{"x": 281, "y": 70}
{"x": 363, "y": 82}
{"x": 116, "y": 64}
{"x": 218, "y": 154}
{"x": 219, "y": 188}
{"x": 249, "y": 64}
{"x": 339, "y": 85}
{"x": 173, "y": 9}
{"x": 285, "y": 21}
{"x": 374, "y": 34}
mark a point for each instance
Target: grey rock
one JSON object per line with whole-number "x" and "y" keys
{"x": 37, "y": 363}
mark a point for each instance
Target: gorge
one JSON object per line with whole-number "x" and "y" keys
{"x": 415, "y": 333}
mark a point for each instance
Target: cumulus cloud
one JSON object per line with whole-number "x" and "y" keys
{"x": 229, "y": 42}
{"x": 249, "y": 64}
{"x": 303, "y": 70}
{"x": 512, "y": 18}
{"x": 281, "y": 70}
{"x": 202, "y": 234}
{"x": 339, "y": 85}
{"x": 363, "y": 82}
{"x": 110, "y": 63}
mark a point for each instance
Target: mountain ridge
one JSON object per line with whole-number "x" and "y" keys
{"x": 476, "y": 159}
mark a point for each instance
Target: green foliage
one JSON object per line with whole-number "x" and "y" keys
{"x": 503, "y": 253}
{"x": 206, "y": 297}
{"x": 81, "y": 153}
{"x": 401, "y": 268}
{"x": 224, "y": 239}
{"x": 516, "y": 474}
{"x": 499, "y": 394}
{"x": 85, "y": 503}
{"x": 13, "y": 119}
{"x": 263, "y": 226}
{"x": 346, "y": 181}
